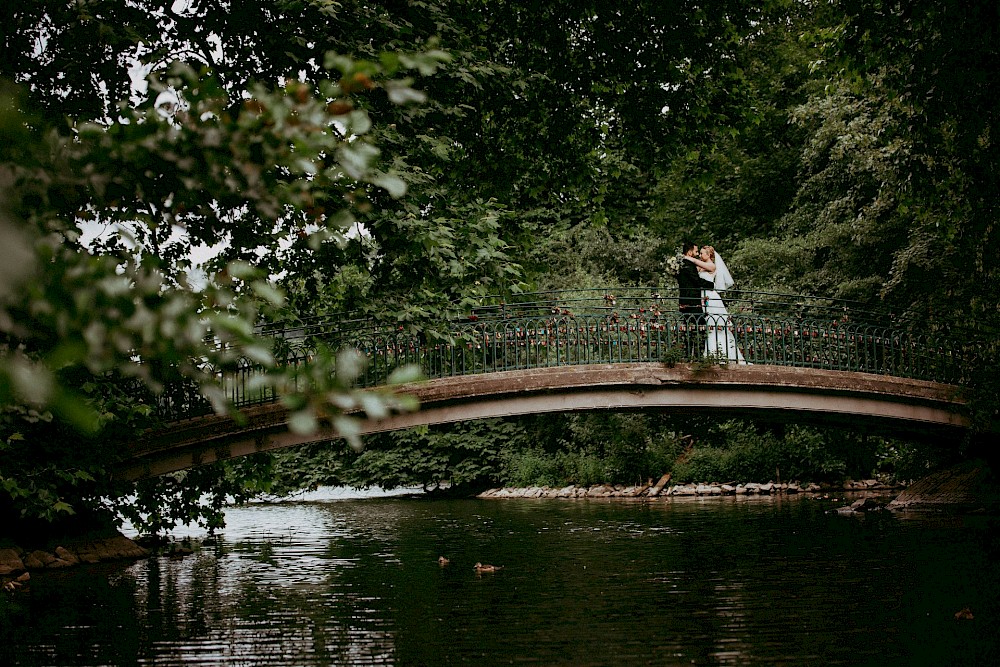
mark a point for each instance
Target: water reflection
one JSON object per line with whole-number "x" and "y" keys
{"x": 357, "y": 582}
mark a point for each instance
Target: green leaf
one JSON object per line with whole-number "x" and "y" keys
{"x": 358, "y": 123}
{"x": 303, "y": 422}
{"x": 373, "y": 405}
{"x": 405, "y": 374}
{"x": 395, "y": 186}
{"x": 269, "y": 293}
{"x": 349, "y": 428}
{"x": 242, "y": 270}
{"x": 259, "y": 354}
{"x": 404, "y": 402}
{"x": 76, "y": 411}
{"x": 400, "y": 92}
{"x": 63, "y": 507}
{"x": 350, "y": 364}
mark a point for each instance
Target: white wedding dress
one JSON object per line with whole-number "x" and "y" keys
{"x": 721, "y": 341}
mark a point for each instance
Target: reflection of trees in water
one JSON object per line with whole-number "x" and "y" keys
{"x": 231, "y": 605}
{"x": 768, "y": 580}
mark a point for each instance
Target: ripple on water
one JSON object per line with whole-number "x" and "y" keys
{"x": 357, "y": 582}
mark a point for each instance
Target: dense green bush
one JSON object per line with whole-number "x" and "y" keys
{"x": 748, "y": 454}
{"x": 531, "y": 467}
{"x": 595, "y": 448}
{"x": 599, "y": 448}
{"x": 799, "y": 453}
{"x": 464, "y": 455}
{"x": 632, "y": 447}
{"x": 708, "y": 464}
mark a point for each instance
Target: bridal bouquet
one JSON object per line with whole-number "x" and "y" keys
{"x": 673, "y": 264}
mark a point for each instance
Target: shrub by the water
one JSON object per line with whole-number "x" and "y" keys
{"x": 581, "y": 468}
{"x": 702, "y": 465}
{"x": 531, "y": 467}
{"x": 602, "y": 448}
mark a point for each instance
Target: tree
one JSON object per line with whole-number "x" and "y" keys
{"x": 74, "y": 321}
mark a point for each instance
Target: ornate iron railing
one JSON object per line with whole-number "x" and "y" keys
{"x": 605, "y": 326}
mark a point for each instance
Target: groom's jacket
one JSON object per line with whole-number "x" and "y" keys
{"x": 689, "y": 287}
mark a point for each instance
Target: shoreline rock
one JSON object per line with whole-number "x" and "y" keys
{"x": 662, "y": 490}
{"x": 16, "y": 564}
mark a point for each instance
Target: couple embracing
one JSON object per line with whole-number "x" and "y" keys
{"x": 702, "y": 275}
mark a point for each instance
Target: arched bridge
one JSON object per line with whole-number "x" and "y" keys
{"x": 800, "y": 358}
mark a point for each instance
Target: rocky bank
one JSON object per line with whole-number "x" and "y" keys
{"x": 16, "y": 564}
{"x": 970, "y": 486}
{"x": 662, "y": 488}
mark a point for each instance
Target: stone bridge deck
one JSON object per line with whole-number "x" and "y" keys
{"x": 885, "y": 404}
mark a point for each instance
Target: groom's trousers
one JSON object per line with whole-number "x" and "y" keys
{"x": 695, "y": 332}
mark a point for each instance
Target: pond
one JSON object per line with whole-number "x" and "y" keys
{"x": 356, "y": 581}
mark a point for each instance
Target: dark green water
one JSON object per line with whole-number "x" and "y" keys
{"x": 729, "y": 582}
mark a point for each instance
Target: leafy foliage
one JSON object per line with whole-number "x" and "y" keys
{"x": 461, "y": 456}
{"x": 74, "y": 317}
{"x": 590, "y": 449}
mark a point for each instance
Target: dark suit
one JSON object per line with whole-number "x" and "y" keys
{"x": 689, "y": 287}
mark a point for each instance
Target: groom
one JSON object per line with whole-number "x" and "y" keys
{"x": 690, "y": 304}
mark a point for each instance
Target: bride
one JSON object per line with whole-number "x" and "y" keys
{"x": 721, "y": 341}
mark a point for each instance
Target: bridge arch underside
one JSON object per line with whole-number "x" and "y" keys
{"x": 885, "y": 405}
